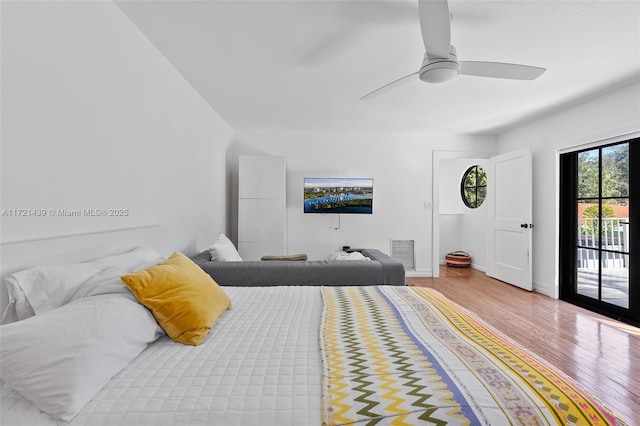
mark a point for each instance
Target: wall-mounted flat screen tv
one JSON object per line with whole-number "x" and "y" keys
{"x": 338, "y": 195}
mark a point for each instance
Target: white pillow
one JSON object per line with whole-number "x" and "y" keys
{"x": 60, "y": 359}
{"x": 343, "y": 255}
{"x": 131, "y": 261}
{"x": 104, "y": 282}
{"x": 223, "y": 250}
{"x": 38, "y": 289}
{"x": 108, "y": 282}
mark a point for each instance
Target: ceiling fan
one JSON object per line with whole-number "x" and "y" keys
{"x": 440, "y": 61}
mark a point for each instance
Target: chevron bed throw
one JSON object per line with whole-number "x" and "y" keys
{"x": 408, "y": 355}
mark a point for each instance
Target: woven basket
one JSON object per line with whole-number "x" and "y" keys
{"x": 458, "y": 259}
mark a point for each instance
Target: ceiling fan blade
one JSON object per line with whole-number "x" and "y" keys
{"x": 436, "y": 27}
{"x": 500, "y": 70}
{"x": 389, "y": 87}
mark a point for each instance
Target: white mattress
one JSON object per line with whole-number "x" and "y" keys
{"x": 260, "y": 365}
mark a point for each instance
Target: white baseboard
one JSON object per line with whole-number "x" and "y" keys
{"x": 421, "y": 273}
{"x": 479, "y": 267}
{"x": 542, "y": 288}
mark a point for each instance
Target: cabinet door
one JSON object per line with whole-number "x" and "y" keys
{"x": 261, "y": 177}
{"x": 261, "y": 206}
{"x": 261, "y": 220}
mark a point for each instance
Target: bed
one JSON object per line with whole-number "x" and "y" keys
{"x": 283, "y": 355}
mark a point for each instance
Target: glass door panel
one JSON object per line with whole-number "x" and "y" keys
{"x": 596, "y": 207}
{"x": 588, "y": 168}
{"x": 615, "y": 279}
{"x": 588, "y": 222}
{"x": 615, "y": 172}
{"x": 587, "y": 273}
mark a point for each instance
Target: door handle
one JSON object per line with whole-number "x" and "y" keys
{"x": 524, "y": 225}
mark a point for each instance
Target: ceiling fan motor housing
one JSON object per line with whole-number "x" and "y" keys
{"x": 439, "y": 70}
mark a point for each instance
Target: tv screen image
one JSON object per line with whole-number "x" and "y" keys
{"x": 338, "y": 195}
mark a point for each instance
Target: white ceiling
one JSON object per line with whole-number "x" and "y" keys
{"x": 303, "y": 65}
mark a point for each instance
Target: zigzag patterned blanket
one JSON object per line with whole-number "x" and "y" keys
{"x": 408, "y": 355}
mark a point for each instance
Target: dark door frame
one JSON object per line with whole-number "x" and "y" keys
{"x": 569, "y": 235}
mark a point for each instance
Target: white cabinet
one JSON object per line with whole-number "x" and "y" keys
{"x": 261, "y": 206}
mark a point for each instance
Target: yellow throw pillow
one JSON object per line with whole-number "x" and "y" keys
{"x": 183, "y": 298}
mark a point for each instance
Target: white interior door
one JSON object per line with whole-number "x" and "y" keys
{"x": 509, "y": 220}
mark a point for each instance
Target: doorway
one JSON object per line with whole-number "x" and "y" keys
{"x": 599, "y": 195}
{"x": 499, "y": 246}
{"x": 448, "y": 223}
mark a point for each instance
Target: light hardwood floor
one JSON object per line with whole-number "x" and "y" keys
{"x": 601, "y": 354}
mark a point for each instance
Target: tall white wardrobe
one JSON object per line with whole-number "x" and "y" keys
{"x": 262, "y": 206}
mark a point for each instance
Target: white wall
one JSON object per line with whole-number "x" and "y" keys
{"x": 451, "y": 171}
{"x": 607, "y": 116}
{"x": 94, "y": 117}
{"x": 450, "y": 235}
{"x": 400, "y": 165}
{"x": 461, "y": 228}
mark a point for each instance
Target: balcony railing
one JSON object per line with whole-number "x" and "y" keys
{"x": 612, "y": 236}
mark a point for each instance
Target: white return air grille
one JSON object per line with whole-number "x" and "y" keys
{"x": 403, "y": 252}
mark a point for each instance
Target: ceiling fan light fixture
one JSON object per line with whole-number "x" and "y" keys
{"x": 439, "y": 70}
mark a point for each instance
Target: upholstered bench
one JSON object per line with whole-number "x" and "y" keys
{"x": 379, "y": 269}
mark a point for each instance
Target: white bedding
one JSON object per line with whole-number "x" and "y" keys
{"x": 260, "y": 365}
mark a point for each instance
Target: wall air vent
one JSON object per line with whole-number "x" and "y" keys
{"x": 403, "y": 252}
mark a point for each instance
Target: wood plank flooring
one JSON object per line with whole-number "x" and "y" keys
{"x": 601, "y": 354}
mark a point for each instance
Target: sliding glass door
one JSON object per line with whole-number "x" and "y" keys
{"x": 599, "y": 236}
